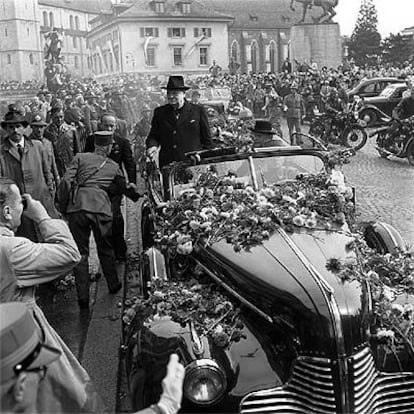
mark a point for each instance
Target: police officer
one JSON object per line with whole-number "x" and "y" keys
{"x": 85, "y": 195}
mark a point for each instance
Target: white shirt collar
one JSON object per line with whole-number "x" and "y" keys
{"x": 15, "y": 144}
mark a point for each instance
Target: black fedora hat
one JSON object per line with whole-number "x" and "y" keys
{"x": 12, "y": 118}
{"x": 263, "y": 126}
{"x": 176, "y": 83}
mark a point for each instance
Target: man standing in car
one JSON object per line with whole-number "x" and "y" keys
{"x": 177, "y": 127}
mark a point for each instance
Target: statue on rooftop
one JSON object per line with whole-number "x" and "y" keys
{"x": 328, "y": 7}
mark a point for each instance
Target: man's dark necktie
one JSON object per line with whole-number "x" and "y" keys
{"x": 20, "y": 150}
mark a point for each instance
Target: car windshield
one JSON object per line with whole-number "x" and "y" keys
{"x": 256, "y": 171}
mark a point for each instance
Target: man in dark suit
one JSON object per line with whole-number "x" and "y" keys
{"x": 177, "y": 127}
{"x": 121, "y": 153}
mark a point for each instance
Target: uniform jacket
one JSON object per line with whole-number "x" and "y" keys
{"x": 190, "y": 132}
{"x": 295, "y": 105}
{"x": 65, "y": 142}
{"x": 31, "y": 173}
{"x": 121, "y": 153}
{"x": 25, "y": 264}
{"x": 93, "y": 195}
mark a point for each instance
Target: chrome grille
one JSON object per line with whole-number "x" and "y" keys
{"x": 376, "y": 392}
{"x": 309, "y": 390}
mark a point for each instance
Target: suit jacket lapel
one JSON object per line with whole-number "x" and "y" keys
{"x": 12, "y": 150}
{"x": 186, "y": 113}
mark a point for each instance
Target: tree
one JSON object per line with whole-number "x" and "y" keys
{"x": 396, "y": 49}
{"x": 364, "y": 45}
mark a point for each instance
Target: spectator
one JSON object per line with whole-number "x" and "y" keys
{"x": 195, "y": 97}
{"x": 64, "y": 139}
{"x": 26, "y": 162}
{"x": 273, "y": 108}
{"x": 23, "y": 266}
{"x": 214, "y": 69}
{"x": 24, "y": 359}
{"x": 141, "y": 131}
{"x": 295, "y": 108}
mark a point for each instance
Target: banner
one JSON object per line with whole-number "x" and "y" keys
{"x": 111, "y": 48}
{"x": 194, "y": 47}
{"x": 146, "y": 44}
{"x": 102, "y": 59}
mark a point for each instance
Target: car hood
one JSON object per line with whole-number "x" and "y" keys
{"x": 287, "y": 278}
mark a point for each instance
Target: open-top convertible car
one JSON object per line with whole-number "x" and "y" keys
{"x": 251, "y": 274}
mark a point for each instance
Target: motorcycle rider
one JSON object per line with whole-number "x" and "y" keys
{"x": 334, "y": 105}
{"x": 404, "y": 110}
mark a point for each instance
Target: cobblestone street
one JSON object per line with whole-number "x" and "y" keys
{"x": 384, "y": 189}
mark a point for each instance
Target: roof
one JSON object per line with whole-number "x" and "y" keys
{"x": 261, "y": 14}
{"x": 85, "y": 6}
{"x": 142, "y": 8}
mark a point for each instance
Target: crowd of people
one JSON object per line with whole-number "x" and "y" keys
{"x": 66, "y": 161}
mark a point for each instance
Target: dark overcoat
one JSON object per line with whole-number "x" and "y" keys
{"x": 188, "y": 132}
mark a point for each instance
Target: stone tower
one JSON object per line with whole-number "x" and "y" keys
{"x": 20, "y": 48}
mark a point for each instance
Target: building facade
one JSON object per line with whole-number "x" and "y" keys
{"x": 161, "y": 36}
{"x": 24, "y": 25}
{"x": 20, "y": 47}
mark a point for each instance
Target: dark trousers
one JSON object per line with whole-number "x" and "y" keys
{"x": 81, "y": 224}
{"x": 118, "y": 240}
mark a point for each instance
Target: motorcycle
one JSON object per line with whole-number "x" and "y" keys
{"x": 346, "y": 129}
{"x": 398, "y": 143}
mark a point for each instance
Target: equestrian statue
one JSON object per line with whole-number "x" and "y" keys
{"x": 327, "y": 6}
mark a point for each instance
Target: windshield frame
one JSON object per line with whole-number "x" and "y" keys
{"x": 249, "y": 157}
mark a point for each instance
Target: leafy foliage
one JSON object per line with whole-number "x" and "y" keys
{"x": 396, "y": 49}
{"x": 364, "y": 45}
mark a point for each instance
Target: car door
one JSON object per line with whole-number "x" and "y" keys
{"x": 394, "y": 99}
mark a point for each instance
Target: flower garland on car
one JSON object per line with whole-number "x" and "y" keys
{"x": 189, "y": 300}
{"x": 391, "y": 281}
{"x": 223, "y": 208}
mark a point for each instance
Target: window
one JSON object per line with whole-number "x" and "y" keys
{"x": 28, "y": 31}
{"x": 51, "y": 20}
{"x": 77, "y": 22}
{"x": 111, "y": 62}
{"x": 75, "y": 42}
{"x": 71, "y": 22}
{"x": 76, "y": 62}
{"x": 149, "y": 32}
{"x": 186, "y": 8}
{"x": 272, "y": 56}
{"x": 178, "y": 56}
{"x": 9, "y": 59}
{"x": 176, "y": 32}
{"x": 150, "y": 56}
{"x": 203, "y": 56}
{"x": 202, "y": 31}
{"x": 159, "y": 7}
{"x": 5, "y": 31}
{"x": 45, "y": 19}
{"x": 31, "y": 58}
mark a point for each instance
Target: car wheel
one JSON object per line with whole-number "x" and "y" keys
{"x": 410, "y": 153}
{"x": 369, "y": 116}
{"x": 384, "y": 238}
{"x": 355, "y": 137}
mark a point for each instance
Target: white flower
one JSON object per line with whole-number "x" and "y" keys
{"x": 298, "y": 221}
{"x": 388, "y": 293}
{"x": 310, "y": 223}
{"x": 397, "y": 308}
{"x": 385, "y": 334}
{"x": 218, "y": 329}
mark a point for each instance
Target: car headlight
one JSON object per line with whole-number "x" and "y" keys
{"x": 205, "y": 382}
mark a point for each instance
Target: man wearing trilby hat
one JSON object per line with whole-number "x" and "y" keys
{"x": 25, "y": 161}
{"x": 177, "y": 127}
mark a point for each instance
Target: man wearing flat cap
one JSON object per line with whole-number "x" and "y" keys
{"x": 25, "y": 161}
{"x": 177, "y": 127}
{"x": 85, "y": 193}
{"x": 24, "y": 359}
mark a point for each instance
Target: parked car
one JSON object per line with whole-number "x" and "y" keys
{"x": 259, "y": 320}
{"x": 377, "y": 107}
{"x": 214, "y": 96}
{"x": 371, "y": 87}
